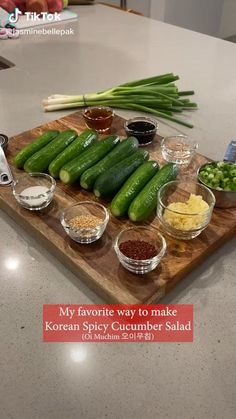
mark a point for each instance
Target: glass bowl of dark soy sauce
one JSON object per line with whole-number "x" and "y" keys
{"x": 143, "y": 128}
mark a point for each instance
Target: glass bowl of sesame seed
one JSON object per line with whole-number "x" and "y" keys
{"x": 85, "y": 222}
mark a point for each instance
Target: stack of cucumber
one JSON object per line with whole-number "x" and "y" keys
{"x": 110, "y": 167}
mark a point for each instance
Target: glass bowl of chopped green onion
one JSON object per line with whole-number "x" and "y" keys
{"x": 220, "y": 178}
{"x": 85, "y": 222}
{"x": 140, "y": 249}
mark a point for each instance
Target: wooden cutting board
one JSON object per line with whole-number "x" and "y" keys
{"x": 97, "y": 263}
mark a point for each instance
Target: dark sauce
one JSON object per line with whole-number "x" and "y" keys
{"x": 143, "y": 131}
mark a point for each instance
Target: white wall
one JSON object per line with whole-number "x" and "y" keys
{"x": 228, "y": 20}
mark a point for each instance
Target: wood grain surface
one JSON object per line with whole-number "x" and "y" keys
{"x": 97, "y": 263}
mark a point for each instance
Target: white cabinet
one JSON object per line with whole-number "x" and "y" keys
{"x": 198, "y": 15}
{"x": 228, "y": 20}
{"x": 142, "y": 6}
{"x": 212, "y": 17}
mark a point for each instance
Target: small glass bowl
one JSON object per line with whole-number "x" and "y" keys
{"x": 148, "y": 234}
{"x": 89, "y": 234}
{"x": 178, "y": 149}
{"x": 143, "y": 128}
{"x": 180, "y": 191}
{"x": 34, "y": 191}
{"x": 99, "y": 118}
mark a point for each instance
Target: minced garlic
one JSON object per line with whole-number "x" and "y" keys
{"x": 181, "y": 218}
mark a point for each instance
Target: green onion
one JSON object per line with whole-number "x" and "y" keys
{"x": 157, "y": 95}
{"x": 220, "y": 176}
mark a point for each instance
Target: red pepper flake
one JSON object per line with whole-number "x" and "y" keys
{"x": 138, "y": 249}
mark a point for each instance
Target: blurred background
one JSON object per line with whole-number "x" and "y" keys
{"x": 212, "y": 17}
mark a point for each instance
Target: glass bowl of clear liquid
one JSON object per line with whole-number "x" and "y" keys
{"x": 178, "y": 149}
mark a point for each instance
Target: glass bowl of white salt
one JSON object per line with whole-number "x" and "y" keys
{"x": 34, "y": 191}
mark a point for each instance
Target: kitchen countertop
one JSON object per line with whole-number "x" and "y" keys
{"x": 115, "y": 381}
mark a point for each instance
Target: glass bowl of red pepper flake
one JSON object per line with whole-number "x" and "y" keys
{"x": 140, "y": 249}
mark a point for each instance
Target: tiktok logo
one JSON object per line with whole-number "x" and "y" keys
{"x": 14, "y": 17}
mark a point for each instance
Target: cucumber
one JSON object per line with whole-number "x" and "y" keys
{"x": 84, "y": 140}
{"x": 132, "y": 187}
{"x": 109, "y": 182}
{"x": 40, "y": 161}
{"x": 122, "y": 150}
{"x": 74, "y": 169}
{"x": 36, "y": 145}
{"x": 146, "y": 201}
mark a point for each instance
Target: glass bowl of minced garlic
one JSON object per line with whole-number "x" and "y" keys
{"x": 184, "y": 208}
{"x": 85, "y": 222}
